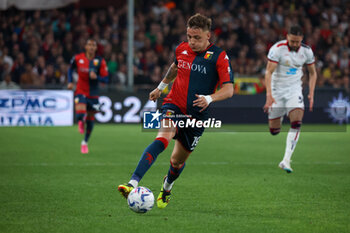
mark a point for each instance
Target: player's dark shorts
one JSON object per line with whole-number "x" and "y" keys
{"x": 92, "y": 104}
{"x": 188, "y": 137}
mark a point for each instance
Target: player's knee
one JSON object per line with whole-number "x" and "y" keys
{"x": 296, "y": 124}
{"x": 175, "y": 163}
{"x": 164, "y": 140}
{"x": 275, "y": 131}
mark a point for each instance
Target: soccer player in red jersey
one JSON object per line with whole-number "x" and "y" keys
{"x": 199, "y": 68}
{"x": 91, "y": 69}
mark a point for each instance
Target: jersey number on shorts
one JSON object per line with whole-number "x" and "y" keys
{"x": 300, "y": 99}
{"x": 195, "y": 142}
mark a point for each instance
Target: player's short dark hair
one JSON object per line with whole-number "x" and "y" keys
{"x": 91, "y": 39}
{"x": 295, "y": 30}
{"x": 199, "y": 21}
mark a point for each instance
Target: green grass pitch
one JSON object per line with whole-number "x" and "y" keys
{"x": 231, "y": 183}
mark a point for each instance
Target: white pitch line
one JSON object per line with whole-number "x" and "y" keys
{"x": 161, "y": 164}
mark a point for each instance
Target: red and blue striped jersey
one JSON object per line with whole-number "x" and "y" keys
{"x": 86, "y": 86}
{"x": 198, "y": 73}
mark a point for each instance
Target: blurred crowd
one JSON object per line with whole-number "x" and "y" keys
{"x": 36, "y": 46}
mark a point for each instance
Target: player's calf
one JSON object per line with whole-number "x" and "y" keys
{"x": 275, "y": 125}
{"x": 292, "y": 140}
{"x": 148, "y": 157}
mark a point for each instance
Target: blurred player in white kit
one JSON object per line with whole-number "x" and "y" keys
{"x": 284, "y": 87}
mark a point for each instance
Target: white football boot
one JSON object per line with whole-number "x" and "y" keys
{"x": 285, "y": 165}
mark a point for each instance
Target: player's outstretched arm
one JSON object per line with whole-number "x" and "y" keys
{"x": 312, "y": 83}
{"x": 169, "y": 76}
{"x": 203, "y": 101}
{"x": 70, "y": 85}
{"x": 270, "y": 68}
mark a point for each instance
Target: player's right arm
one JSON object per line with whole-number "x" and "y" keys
{"x": 73, "y": 66}
{"x": 312, "y": 84}
{"x": 169, "y": 76}
{"x": 270, "y": 68}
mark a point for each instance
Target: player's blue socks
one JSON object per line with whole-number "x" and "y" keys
{"x": 149, "y": 156}
{"x": 174, "y": 173}
{"x": 89, "y": 127}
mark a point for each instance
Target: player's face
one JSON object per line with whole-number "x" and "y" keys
{"x": 294, "y": 41}
{"x": 91, "y": 47}
{"x": 198, "y": 39}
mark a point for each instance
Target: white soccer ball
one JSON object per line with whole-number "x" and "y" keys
{"x": 141, "y": 200}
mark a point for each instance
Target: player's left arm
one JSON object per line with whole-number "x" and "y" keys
{"x": 72, "y": 67}
{"x": 226, "y": 81}
{"x": 203, "y": 101}
{"x": 312, "y": 83}
{"x": 103, "y": 72}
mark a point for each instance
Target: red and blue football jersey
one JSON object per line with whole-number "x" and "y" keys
{"x": 198, "y": 73}
{"x": 86, "y": 86}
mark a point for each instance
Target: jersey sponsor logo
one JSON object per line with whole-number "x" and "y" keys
{"x": 84, "y": 69}
{"x": 192, "y": 66}
{"x": 292, "y": 71}
{"x": 81, "y": 61}
{"x": 208, "y": 55}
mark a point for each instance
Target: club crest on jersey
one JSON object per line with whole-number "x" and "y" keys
{"x": 96, "y": 61}
{"x": 169, "y": 113}
{"x": 208, "y": 55}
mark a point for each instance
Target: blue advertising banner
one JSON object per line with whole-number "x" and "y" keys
{"x": 36, "y": 108}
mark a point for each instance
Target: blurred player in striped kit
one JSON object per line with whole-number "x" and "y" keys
{"x": 91, "y": 70}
